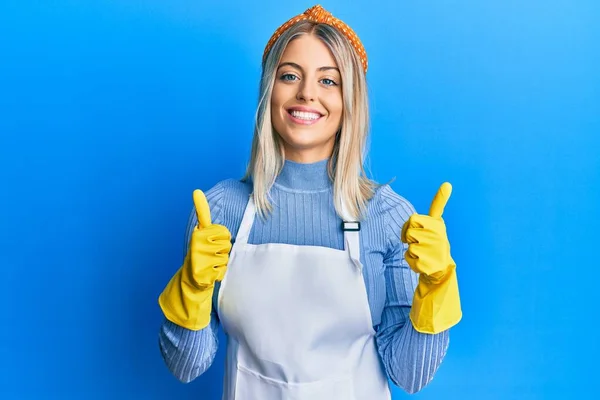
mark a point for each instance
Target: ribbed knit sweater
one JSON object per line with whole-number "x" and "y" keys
{"x": 304, "y": 214}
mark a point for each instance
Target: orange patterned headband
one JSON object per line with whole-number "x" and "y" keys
{"x": 320, "y": 15}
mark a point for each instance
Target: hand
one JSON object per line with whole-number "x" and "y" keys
{"x": 209, "y": 247}
{"x": 428, "y": 247}
{"x": 187, "y": 298}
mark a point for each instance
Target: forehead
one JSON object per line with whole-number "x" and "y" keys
{"x": 310, "y": 51}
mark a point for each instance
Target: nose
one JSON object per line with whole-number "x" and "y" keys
{"x": 307, "y": 91}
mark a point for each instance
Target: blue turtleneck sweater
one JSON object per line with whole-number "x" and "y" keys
{"x": 305, "y": 215}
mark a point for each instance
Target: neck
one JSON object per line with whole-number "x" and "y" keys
{"x": 309, "y": 155}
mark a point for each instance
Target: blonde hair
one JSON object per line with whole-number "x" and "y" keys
{"x": 351, "y": 188}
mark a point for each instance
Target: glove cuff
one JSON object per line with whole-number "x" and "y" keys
{"x": 436, "y": 306}
{"x": 184, "y": 304}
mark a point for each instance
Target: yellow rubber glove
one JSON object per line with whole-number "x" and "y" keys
{"x": 187, "y": 298}
{"x": 436, "y": 303}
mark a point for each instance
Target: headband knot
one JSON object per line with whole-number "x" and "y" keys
{"x": 319, "y": 15}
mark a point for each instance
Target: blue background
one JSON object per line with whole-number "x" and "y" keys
{"x": 112, "y": 112}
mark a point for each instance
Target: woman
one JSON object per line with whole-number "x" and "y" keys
{"x": 338, "y": 284}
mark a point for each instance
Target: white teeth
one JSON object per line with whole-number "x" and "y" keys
{"x": 305, "y": 115}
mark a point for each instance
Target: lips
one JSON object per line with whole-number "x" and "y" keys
{"x": 304, "y": 115}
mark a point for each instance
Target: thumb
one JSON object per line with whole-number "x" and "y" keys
{"x": 202, "y": 209}
{"x": 439, "y": 201}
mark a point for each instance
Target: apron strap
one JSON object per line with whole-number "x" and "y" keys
{"x": 247, "y": 222}
{"x": 351, "y": 237}
{"x": 352, "y": 240}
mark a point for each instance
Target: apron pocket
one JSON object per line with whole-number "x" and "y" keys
{"x": 251, "y": 385}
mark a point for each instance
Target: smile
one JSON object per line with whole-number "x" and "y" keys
{"x": 304, "y": 117}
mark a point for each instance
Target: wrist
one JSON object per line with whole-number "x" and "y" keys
{"x": 438, "y": 277}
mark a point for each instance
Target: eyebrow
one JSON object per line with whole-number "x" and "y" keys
{"x": 292, "y": 64}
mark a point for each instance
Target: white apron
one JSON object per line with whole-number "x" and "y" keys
{"x": 298, "y": 322}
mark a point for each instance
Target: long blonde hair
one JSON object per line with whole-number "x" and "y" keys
{"x": 351, "y": 188}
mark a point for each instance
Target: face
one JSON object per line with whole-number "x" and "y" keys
{"x": 306, "y": 104}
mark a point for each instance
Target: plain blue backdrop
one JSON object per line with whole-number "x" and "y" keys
{"x": 112, "y": 112}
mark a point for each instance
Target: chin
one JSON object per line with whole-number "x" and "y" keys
{"x": 301, "y": 140}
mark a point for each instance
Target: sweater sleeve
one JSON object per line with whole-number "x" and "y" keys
{"x": 187, "y": 353}
{"x": 410, "y": 358}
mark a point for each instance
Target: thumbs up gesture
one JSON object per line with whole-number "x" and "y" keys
{"x": 428, "y": 247}
{"x": 209, "y": 247}
{"x": 187, "y": 298}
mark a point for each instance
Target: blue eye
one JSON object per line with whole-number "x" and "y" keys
{"x": 328, "y": 82}
{"x": 288, "y": 77}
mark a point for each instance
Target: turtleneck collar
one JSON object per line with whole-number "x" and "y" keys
{"x": 304, "y": 177}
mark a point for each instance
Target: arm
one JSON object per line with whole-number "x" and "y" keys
{"x": 411, "y": 358}
{"x": 189, "y": 353}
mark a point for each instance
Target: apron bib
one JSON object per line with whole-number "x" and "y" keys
{"x": 298, "y": 322}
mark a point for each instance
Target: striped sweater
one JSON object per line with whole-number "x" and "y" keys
{"x": 304, "y": 214}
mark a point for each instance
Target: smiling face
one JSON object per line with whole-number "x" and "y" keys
{"x": 306, "y": 103}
